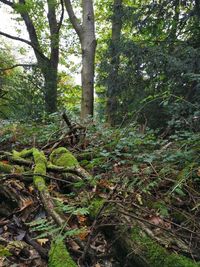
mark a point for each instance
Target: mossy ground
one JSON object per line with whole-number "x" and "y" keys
{"x": 59, "y": 256}
{"x": 157, "y": 256}
{"x": 95, "y": 206}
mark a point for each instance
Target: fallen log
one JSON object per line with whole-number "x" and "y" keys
{"x": 134, "y": 247}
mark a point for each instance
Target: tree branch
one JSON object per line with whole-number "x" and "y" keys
{"x": 16, "y": 38}
{"x": 74, "y": 20}
{"x": 18, "y": 65}
{"x": 23, "y": 41}
{"x": 8, "y": 3}
{"x": 54, "y": 33}
{"x": 61, "y": 16}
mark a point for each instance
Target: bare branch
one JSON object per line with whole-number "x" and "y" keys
{"x": 23, "y": 41}
{"x": 18, "y": 65}
{"x": 16, "y": 38}
{"x": 74, "y": 20}
{"x": 61, "y": 16}
{"x": 8, "y": 3}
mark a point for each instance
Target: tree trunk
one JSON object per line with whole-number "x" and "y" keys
{"x": 47, "y": 65}
{"x": 87, "y": 76}
{"x": 86, "y": 34}
{"x": 88, "y": 46}
{"x": 113, "y": 82}
{"x": 50, "y": 89}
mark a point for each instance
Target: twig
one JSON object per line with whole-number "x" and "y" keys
{"x": 105, "y": 204}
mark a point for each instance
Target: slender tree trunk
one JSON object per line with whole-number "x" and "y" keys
{"x": 50, "y": 89}
{"x": 113, "y": 81}
{"x": 88, "y": 45}
{"x": 87, "y": 78}
{"x": 86, "y": 34}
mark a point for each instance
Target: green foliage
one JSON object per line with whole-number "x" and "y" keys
{"x": 73, "y": 210}
{"x": 4, "y": 252}
{"x": 156, "y": 255}
{"x": 159, "y": 62}
{"x": 59, "y": 256}
{"x": 33, "y": 132}
{"x": 69, "y": 94}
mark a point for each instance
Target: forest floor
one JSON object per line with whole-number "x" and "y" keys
{"x": 126, "y": 199}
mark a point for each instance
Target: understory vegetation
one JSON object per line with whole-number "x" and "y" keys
{"x": 135, "y": 180}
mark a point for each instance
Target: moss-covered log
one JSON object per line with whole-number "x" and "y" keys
{"x": 59, "y": 256}
{"x": 135, "y": 248}
{"x": 8, "y": 168}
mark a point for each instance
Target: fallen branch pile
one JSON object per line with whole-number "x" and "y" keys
{"x": 53, "y": 213}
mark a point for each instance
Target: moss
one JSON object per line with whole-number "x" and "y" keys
{"x": 6, "y": 168}
{"x": 84, "y": 162}
{"x": 40, "y": 168}
{"x": 156, "y": 255}
{"x": 63, "y": 158}
{"x": 16, "y": 154}
{"x": 59, "y": 256}
{"x": 4, "y": 251}
{"x": 25, "y": 153}
{"x": 95, "y": 206}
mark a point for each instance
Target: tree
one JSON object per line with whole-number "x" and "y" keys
{"x": 153, "y": 64}
{"x": 113, "y": 84}
{"x": 47, "y": 58}
{"x": 86, "y": 34}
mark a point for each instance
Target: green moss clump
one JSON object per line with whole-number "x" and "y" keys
{"x": 59, "y": 256}
{"x": 95, "y": 206}
{"x": 16, "y": 154}
{"x": 6, "y": 168}
{"x": 25, "y": 153}
{"x": 156, "y": 255}
{"x": 63, "y": 158}
{"x": 4, "y": 251}
{"x": 40, "y": 168}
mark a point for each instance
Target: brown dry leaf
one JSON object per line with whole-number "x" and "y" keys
{"x": 81, "y": 219}
{"x": 116, "y": 168}
{"x": 105, "y": 184}
{"x": 74, "y": 245}
{"x": 156, "y": 220}
{"x": 42, "y": 241}
{"x": 198, "y": 172}
{"x": 97, "y": 265}
{"x": 5, "y": 161}
{"x": 83, "y": 235}
{"x": 31, "y": 189}
{"x": 25, "y": 202}
{"x": 52, "y": 187}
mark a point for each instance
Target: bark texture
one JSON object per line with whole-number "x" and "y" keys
{"x": 86, "y": 34}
